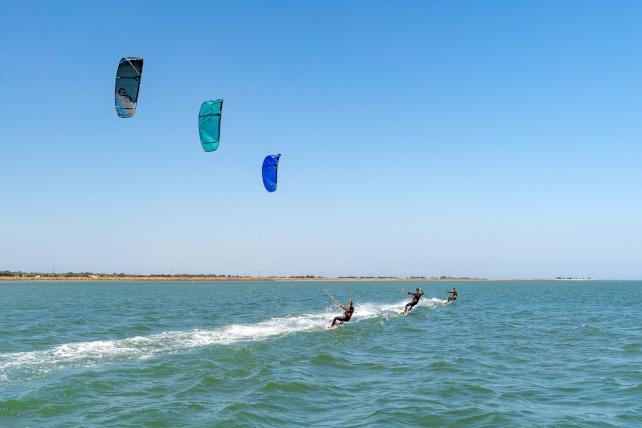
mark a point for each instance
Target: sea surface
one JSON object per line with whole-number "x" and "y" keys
{"x": 558, "y": 353}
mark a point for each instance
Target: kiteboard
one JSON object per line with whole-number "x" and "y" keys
{"x": 329, "y": 326}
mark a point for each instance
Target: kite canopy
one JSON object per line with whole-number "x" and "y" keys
{"x": 128, "y": 77}
{"x": 209, "y": 124}
{"x": 270, "y": 167}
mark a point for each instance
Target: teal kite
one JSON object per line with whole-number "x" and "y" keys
{"x": 209, "y": 124}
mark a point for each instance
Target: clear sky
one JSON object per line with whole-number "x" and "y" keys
{"x": 486, "y": 138}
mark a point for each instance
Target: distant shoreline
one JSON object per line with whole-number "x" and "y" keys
{"x": 211, "y": 278}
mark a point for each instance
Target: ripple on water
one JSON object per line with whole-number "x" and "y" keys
{"x": 188, "y": 358}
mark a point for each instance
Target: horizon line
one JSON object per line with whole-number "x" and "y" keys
{"x": 18, "y": 275}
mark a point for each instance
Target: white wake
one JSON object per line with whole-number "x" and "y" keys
{"x": 82, "y": 354}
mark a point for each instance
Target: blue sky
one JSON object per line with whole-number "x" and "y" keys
{"x": 495, "y": 139}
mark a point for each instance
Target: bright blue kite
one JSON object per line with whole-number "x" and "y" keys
{"x": 270, "y": 168}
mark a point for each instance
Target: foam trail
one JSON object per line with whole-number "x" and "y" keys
{"x": 82, "y": 354}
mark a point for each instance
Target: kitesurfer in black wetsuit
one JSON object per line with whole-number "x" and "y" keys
{"x": 415, "y": 299}
{"x": 348, "y": 310}
{"x": 453, "y": 295}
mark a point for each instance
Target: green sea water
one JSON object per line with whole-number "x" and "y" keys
{"x": 256, "y": 354}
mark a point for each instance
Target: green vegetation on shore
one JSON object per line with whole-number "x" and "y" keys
{"x": 19, "y": 275}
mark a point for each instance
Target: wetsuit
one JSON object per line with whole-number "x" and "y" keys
{"x": 415, "y": 299}
{"x": 347, "y": 314}
{"x": 453, "y": 296}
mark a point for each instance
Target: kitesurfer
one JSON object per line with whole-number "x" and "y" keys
{"x": 453, "y": 295}
{"x": 415, "y": 299}
{"x": 348, "y": 310}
